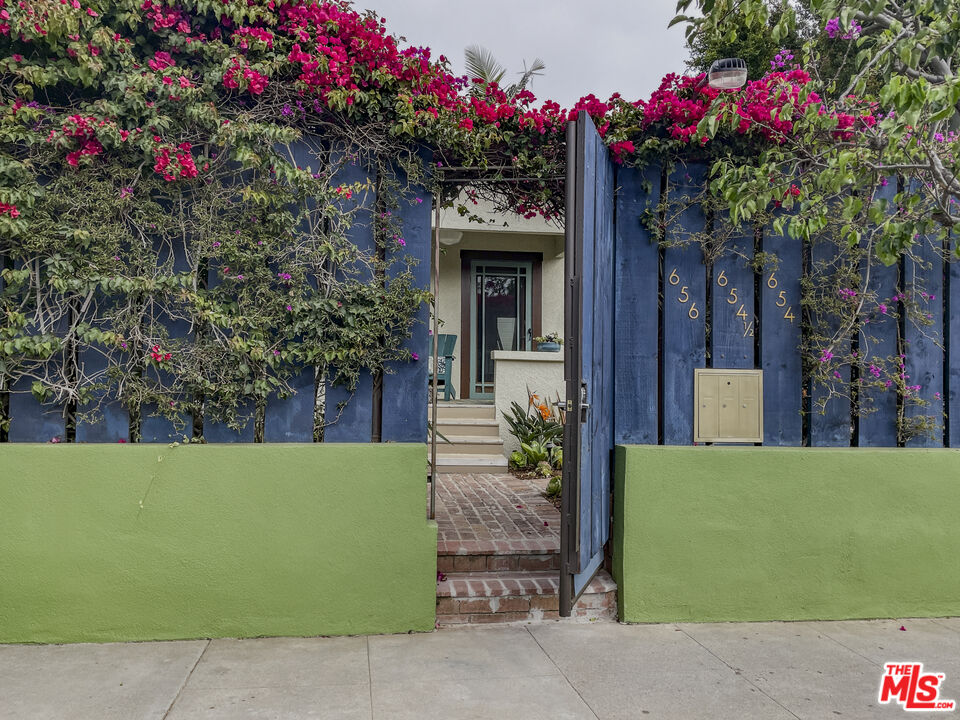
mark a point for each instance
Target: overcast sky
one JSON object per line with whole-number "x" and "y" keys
{"x": 589, "y": 46}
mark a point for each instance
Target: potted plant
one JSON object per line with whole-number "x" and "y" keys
{"x": 550, "y": 342}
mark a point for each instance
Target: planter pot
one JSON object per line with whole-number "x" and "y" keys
{"x": 548, "y": 347}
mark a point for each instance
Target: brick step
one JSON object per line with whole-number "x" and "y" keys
{"x": 496, "y": 563}
{"x": 514, "y": 554}
{"x": 509, "y": 596}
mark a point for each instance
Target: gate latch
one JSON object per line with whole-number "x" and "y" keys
{"x": 584, "y": 405}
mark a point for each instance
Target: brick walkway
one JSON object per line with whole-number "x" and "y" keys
{"x": 495, "y": 513}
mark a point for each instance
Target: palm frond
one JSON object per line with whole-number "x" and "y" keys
{"x": 535, "y": 70}
{"x": 482, "y": 65}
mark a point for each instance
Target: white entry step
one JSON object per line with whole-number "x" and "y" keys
{"x": 468, "y": 426}
{"x": 466, "y": 464}
{"x": 479, "y": 411}
{"x": 469, "y": 445}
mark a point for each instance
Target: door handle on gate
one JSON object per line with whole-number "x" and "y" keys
{"x": 584, "y": 405}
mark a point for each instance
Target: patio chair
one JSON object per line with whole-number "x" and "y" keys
{"x": 445, "y": 346}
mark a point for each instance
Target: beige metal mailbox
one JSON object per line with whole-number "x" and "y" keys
{"x": 728, "y": 406}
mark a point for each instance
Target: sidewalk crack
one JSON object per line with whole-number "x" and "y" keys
{"x": 821, "y": 631}
{"x": 936, "y": 621}
{"x": 369, "y": 677}
{"x": 740, "y": 674}
{"x": 186, "y": 680}
{"x": 562, "y": 673}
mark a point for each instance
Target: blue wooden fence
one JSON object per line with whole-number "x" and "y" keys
{"x": 394, "y": 412}
{"x": 675, "y": 313}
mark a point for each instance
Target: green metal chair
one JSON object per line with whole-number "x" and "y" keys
{"x": 445, "y": 346}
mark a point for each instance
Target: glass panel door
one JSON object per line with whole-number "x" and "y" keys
{"x": 501, "y": 316}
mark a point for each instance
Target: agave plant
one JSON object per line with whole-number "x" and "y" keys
{"x": 536, "y": 452}
{"x": 554, "y": 488}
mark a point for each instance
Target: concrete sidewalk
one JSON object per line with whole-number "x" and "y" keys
{"x": 551, "y": 671}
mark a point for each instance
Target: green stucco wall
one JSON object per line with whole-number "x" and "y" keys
{"x": 137, "y": 542}
{"x": 727, "y": 534}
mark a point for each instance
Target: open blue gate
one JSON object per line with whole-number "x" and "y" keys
{"x": 588, "y": 362}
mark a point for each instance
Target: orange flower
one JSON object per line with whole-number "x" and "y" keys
{"x": 544, "y": 411}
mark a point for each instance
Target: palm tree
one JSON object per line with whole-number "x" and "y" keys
{"x": 482, "y": 65}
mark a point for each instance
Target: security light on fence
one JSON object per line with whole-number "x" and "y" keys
{"x": 727, "y": 74}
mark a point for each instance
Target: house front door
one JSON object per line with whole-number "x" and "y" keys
{"x": 501, "y": 316}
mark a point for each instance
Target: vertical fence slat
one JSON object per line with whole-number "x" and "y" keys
{"x": 603, "y": 366}
{"x": 154, "y": 428}
{"x": 780, "y": 338}
{"x": 832, "y": 426}
{"x": 348, "y": 416}
{"x": 637, "y": 272}
{"x": 29, "y": 420}
{"x": 923, "y": 272}
{"x": 878, "y": 406}
{"x": 733, "y": 324}
{"x": 291, "y": 419}
{"x": 684, "y": 310}
{"x": 217, "y": 432}
{"x": 4, "y": 379}
{"x": 405, "y": 389}
{"x": 953, "y": 353}
{"x": 114, "y": 422}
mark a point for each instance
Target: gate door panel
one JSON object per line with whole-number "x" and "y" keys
{"x": 589, "y": 347}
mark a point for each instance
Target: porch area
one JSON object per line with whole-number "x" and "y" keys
{"x": 498, "y": 554}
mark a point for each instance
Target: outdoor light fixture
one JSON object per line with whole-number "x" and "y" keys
{"x": 727, "y": 74}
{"x": 450, "y": 237}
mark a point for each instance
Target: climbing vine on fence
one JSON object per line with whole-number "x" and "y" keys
{"x": 181, "y": 182}
{"x": 856, "y": 314}
{"x": 175, "y": 229}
